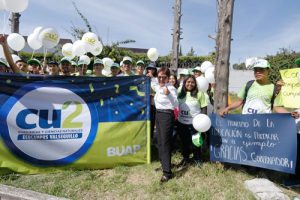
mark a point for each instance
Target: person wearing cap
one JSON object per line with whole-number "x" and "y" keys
{"x": 98, "y": 67}
{"x": 121, "y": 68}
{"x": 197, "y": 71}
{"x": 115, "y": 70}
{"x": 182, "y": 74}
{"x": 127, "y": 66}
{"x": 53, "y": 68}
{"x": 73, "y": 68}
{"x": 140, "y": 67}
{"x": 65, "y": 67}
{"x": 34, "y": 66}
{"x": 82, "y": 68}
{"x": 22, "y": 65}
{"x": 3, "y": 65}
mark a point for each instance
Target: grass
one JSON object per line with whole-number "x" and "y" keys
{"x": 213, "y": 181}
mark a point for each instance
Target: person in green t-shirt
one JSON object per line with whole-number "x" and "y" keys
{"x": 140, "y": 67}
{"x": 82, "y": 68}
{"x": 115, "y": 70}
{"x": 127, "y": 66}
{"x": 3, "y": 65}
{"x": 191, "y": 103}
{"x": 197, "y": 71}
{"x": 65, "y": 67}
{"x": 259, "y": 95}
{"x": 98, "y": 67}
{"x": 73, "y": 68}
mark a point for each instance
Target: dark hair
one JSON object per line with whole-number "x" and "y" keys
{"x": 164, "y": 70}
{"x": 155, "y": 72}
{"x": 176, "y": 85}
{"x": 21, "y": 61}
{"x": 194, "y": 91}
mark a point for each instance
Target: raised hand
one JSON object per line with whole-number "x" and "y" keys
{"x": 166, "y": 90}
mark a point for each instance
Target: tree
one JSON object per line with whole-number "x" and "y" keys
{"x": 180, "y": 52}
{"x": 241, "y": 66}
{"x": 112, "y": 51}
{"x": 191, "y": 52}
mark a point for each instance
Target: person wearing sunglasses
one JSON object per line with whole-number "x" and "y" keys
{"x": 165, "y": 103}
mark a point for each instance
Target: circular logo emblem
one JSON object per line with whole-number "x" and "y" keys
{"x": 49, "y": 123}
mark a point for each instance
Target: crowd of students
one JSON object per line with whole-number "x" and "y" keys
{"x": 175, "y": 101}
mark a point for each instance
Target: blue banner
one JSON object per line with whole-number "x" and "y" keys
{"x": 264, "y": 140}
{"x": 53, "y": 123}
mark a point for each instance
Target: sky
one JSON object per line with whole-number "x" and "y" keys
{"x": 273, "y": 24}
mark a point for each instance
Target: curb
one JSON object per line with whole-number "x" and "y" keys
{"x": 12, "y": 193}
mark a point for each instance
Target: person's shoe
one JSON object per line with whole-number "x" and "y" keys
{"x": 183, "y": 163}
{"x": 289, "y": 183}
{"x": 164, "y": 179}
{"x": 158, "y": 169}
{"x": 198, "y": 164}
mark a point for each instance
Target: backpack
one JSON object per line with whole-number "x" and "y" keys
{"x": 275, "y": 93}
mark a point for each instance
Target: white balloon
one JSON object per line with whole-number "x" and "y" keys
{"x": 16, "y": 41}
{"x": 36, "y": 33}
{"x": 202, "y": 84}
{"x": 105, "y": 73}
{"x": 3, "y": 5}
{"x": 98, "y": 49}
{"x": 49, "y": 37}
{"x": 16, "y": 6}
{"x": 89, "y": 39}
{"x": 86, "y": 58}
{"x": 33, "y": 43}
{"x": 67, "y": 51}
{"x": 210, "y": 75}
{"x": 107, "y": 62}
{"x": 205, "y": 65}
{"x": 15, "y": 58}
{"x": 153, "y": 54}
{"x": 201, "y": 123}
{"x": 78, "y": 48}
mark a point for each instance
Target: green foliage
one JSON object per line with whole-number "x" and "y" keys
{"x": 181, "y": 59}
{"x": 283, "y": 60}
{"x": 191, "y": 52}
{"x": 84, "y": 19}
{"x": 40, "y": 56}
{"x": 241, "y": 66}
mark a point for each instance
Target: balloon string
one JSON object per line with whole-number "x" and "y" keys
{"x": 6, "y": 23}
{"x": 32, "y": 54}
{"x": 44, "y": 57}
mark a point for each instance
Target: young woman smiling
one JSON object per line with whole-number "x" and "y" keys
{"x": 191, "y": 103}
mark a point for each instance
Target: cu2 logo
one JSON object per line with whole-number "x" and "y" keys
{"x": 47, "y": 123}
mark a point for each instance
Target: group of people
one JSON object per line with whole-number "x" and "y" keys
{"x": 175, "y": 101}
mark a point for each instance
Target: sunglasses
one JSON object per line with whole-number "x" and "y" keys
{"x": 162, "y": 77}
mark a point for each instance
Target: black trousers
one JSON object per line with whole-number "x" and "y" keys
{"x": 186, "y": 131}
{"x": 296, "y": 176}
{"x": 152, "y": 119}
{"x": 164, "y": 130}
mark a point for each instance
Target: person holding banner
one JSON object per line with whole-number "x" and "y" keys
{"x": 140, "y": 67}
{"x": 127, "y": 66}
{"x": 65, "y": 67}
{"x": 152, "y": 73}
{"x": 115, "y": 70}
{"x": 3, "y": 65}
{"x": 258, "y": 96}
{"x": 53, "y": 68}
{"x": 165, "y": 103}
{"x": 191, "y": 103}
{"x": 73, "y": 68}
{"x": 22, "y": 65}
{"x": 98, "y": 67}
{"x": 82, "y": 68}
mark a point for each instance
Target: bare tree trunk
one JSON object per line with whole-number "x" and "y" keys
{"x": 223, "y": 43}
{"x": 176, "y": 37}
{"x": 15, "y": 26}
